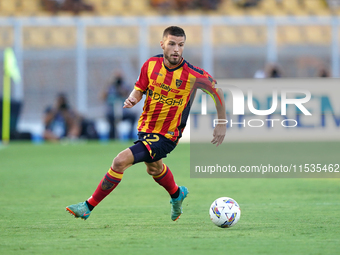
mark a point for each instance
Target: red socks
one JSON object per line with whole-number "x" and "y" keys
{"x": 107, "y": 184}
{"x": 113, "y": 178}
{"x": 166, "y": 179}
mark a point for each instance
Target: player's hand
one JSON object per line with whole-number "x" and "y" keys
{"x": 130, "y": 102}
{"x": 219, "y": 134}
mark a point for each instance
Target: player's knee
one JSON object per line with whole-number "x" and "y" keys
{"x": 119, "y": 163}
{"x": 153, "y": 170}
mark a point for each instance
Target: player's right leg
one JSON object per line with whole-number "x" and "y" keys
{"x": 109, "y": 182}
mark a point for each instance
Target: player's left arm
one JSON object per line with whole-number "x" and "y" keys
{"x": 220, "y": 129}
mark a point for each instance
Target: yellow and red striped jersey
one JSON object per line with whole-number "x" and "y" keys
{"x": 167, "y": 104}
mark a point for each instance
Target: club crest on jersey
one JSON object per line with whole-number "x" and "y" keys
{"x": 178, "y": 83}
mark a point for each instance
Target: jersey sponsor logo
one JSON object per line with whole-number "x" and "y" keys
{"x": 164, "y": 99}
{"x": 175, "y": 91}
{"x": 159, "y": 74}
{"x": 165, "y": 87}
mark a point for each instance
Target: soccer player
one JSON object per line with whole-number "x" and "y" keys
{"x": 169, "y": 83}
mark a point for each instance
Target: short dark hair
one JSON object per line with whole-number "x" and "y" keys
{"x": 175, "y": 31}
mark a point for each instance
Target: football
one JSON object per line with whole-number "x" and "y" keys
{"x": 225, "y": 212}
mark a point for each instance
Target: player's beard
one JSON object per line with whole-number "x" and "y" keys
{"x": 173, "y": 61}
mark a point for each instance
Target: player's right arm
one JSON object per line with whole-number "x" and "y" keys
{"x": 134, "y": 98}
{"x": 140, "y": 87}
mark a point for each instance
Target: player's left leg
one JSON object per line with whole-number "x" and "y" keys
{"x": 164, "y": 177}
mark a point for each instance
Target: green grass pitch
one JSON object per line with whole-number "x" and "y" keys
{"x": 279, "y": 216}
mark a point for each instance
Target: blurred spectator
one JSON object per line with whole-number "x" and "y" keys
{"x": 247, "y": 3}
{"x": 114, "y": 96}
{"x": 53, "y": 6}
{"x": 184, "y": 5}
{"x": 323, "y": 72}
{"x": 61, "y": 121}
{"x": 209, "y": 4}
{"x": 271, "y": 70}
{"x": 163, "y": 6}
{"x": 75, "y": 6}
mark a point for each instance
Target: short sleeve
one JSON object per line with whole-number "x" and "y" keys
{"x": 143, "y": 79}
{"x": 207, "y": 84}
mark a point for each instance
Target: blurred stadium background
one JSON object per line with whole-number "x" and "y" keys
{"x": 77, "y": 50}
